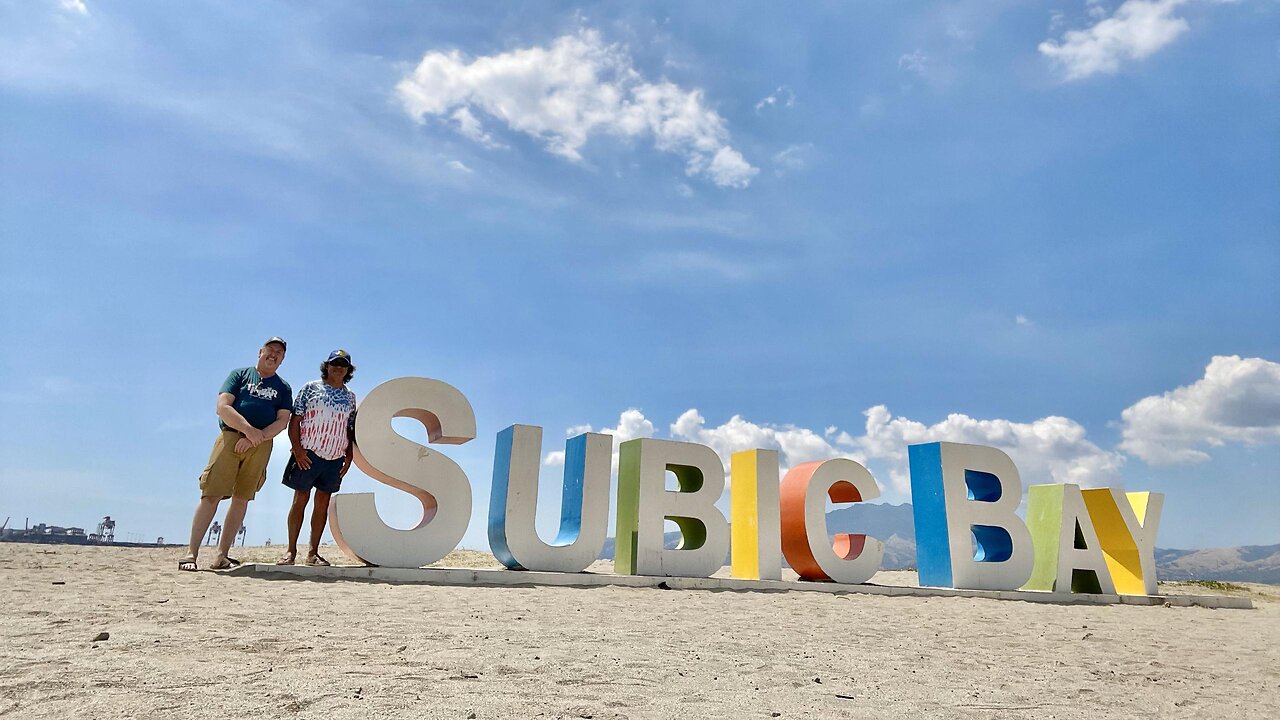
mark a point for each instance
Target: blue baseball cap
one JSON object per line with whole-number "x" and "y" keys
{"x": 342, "y": 355}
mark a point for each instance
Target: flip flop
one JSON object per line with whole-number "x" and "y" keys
{"x": 187, "y": 564}
{"x": 317, "y": 561}
{"x": 234, "y": 562}
{"x": 288, "y": 560}
{"x": 223, "y": 564}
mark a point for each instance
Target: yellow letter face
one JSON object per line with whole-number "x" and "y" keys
{"x": 1127, "y": 526}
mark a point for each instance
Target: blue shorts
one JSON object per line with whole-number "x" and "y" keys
{"x": 323, "y": 475}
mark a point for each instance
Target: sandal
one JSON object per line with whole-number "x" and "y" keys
{"x": 187, "y": 563}
{"x": 288, "y": 559}
{"x": 234, "y": 562}
{"x": 317, "y": 561}
{"x": 221, "y": 564}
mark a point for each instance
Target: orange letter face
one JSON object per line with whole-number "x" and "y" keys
{"x": 851, "y": 559}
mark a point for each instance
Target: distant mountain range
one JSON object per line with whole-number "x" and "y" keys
{"x": 895, "y": 526}
{"x": 1247, "y": 563}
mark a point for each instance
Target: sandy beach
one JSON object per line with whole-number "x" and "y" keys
{"x": 207, "y": 644}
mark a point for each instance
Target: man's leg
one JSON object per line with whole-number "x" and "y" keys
{"x": 296, "y": 511}
{"x": 319, "y": 516}
{"x": 230, "y": 527}
{"x": 205, "y": 511}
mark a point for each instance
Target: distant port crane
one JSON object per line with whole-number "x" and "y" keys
{"x": 107, "y": 530}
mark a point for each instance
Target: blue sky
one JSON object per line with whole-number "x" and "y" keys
{"x": 835, "y": 229}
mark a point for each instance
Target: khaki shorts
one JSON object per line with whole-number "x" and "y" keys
{"x": 233, "y": 474}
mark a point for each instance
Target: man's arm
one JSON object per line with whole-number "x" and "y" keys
{"x": 232, "y": 417}
{"x": 277, "y": 427}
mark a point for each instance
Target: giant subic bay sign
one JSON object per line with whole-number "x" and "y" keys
{"x": 965, "y": 497}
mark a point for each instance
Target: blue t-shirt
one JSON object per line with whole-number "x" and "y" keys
{"x": 257, "y": 399}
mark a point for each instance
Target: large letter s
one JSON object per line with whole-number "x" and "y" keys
{"x": 435, "y": 480}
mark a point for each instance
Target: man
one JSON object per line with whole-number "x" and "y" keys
{"x": 322, "y": 432}
{"x": 253, "y": 407}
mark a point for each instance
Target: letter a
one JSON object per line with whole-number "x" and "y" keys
{"x": 1068, "y": 553}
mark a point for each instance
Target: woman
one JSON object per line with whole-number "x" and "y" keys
{"x": 322, "y": 431}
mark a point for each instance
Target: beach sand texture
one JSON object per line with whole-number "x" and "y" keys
{"x": 209, "y": 645}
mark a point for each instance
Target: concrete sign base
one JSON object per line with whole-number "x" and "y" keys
{"x": 512, "y": 578}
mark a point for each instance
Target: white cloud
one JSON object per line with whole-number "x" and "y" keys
{"x": 565, "y": 93}
{"x": 1237, "y": 401}
{"x": 632, "y": 424}
{"x": 793, "y": 158}
{"x": 916, "y": 62}
{"x": 76, "y": 7}
{"x": 1023, "y": 321}
{"x": 728, "y": 169}
{"x": 469, "y": 127}
{"x": 1052, "y": 449}
{"x": 460, "y": 166}
{"x": 782, "y": 97}
{"x": 1137, "y": 29}
{"x": 794, "y": 444}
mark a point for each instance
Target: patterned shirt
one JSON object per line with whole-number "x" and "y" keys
{"x": 328, "y": 415}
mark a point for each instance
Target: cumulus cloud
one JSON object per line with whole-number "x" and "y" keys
{"x": 794, "y": 444}
{"x": 1052, "y": 449}
{"x": 460, "y": 166}
{"x": 1134, "y": 31}
{"x": 632, "y": 424}
{"x": 469, "y": 127}
{"x": 1237, "y": 401}
{"x": 567, "y": 92}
